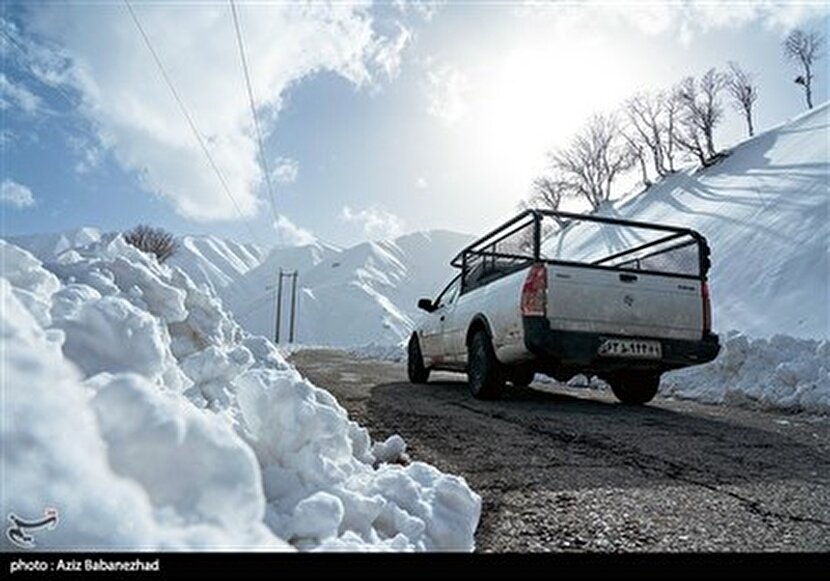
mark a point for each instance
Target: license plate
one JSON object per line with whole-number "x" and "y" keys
{"x": 633, "y": 348}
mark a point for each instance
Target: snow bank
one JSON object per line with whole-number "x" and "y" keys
{"x": 140, "y": 410}
{"x": 781, "y": 373}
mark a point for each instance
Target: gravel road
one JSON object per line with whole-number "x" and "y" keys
{"x": 570, "y": 470}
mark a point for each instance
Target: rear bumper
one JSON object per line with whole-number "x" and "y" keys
{"x": 571, "y": 352}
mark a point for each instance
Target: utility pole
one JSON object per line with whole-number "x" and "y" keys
{"x": 292, "y": 274}
{"x": 279, "y": 308}
{"x": 293, "y": 306}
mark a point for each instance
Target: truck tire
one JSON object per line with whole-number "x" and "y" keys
{"x": 521, "y": 376}
{"x": 415, "y": 368}
{"x": 635, "y": 388}
{"x": 485, "y": 374}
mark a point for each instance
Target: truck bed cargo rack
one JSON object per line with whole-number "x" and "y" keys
{"x": 528, "y": 237}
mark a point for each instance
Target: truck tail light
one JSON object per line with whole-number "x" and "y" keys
{"x": 535, "y": 292}
{"x": 707, "y": 308}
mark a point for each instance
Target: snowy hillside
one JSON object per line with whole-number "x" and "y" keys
{"x": 215, "y": 262}
{"x": 135, "y": 405}
{"x": 765, "y": 210}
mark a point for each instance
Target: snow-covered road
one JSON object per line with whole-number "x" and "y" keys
{"x": 568, "y": 469}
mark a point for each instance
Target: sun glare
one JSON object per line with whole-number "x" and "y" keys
{"x": 535, "y": 97}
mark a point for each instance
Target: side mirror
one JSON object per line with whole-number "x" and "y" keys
{"x": 426, "y": 305}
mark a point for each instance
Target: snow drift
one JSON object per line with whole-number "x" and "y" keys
{"x": 779, "y": 373}
{"x": 140, "y": 410}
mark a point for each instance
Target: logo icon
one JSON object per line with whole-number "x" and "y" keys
{"x": 19, "y": 528}
{"x": 628, "y": 300}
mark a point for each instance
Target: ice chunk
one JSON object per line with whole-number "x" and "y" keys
{"x": 110, "y": 334}
{"x": 318, "y": 516}
{"x": 393, "y": 449}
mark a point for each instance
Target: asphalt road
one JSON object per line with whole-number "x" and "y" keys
{"x": 570, "y": 470}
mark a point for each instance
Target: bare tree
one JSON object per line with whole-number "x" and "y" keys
{"x": 671, "y": 113}
{"x": 547, "y": 191}
{"x": 653, "y": 117}
{"x": 710, "y": 110}
{"x": 686, "y": 133}
{"x": 595, "y": 157}
{"x": 644, "y": 114}
{"x": 804, "y": 48}
{"x": 744, "y": 92}
{"x": 152, "y": 241}
{"x": 700, "y": 112}
{"x": 638, "y": 154}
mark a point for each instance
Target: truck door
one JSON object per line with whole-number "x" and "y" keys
{"x": 450, "y": 326}
{"x": 432, "y": 330}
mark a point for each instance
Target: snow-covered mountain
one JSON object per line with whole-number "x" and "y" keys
{"x": 49, "y": 246}
{"x": 764, "y": 210}
{"x": 215, "y": 262}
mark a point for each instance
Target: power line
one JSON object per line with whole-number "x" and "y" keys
{"x": 189, "y": 119}
{"x": 253, "y": 110}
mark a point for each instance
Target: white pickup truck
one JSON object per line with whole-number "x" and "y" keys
{"x": 562, "y": 294}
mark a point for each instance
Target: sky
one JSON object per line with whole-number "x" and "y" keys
{"x": 377, "y": 119}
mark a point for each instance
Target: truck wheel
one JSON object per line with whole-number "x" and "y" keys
{"x": 484, "y": 372}
{"x": 415, "y": 368}
{"x": 522, "y": 376}
{"x": 635, "y": 388}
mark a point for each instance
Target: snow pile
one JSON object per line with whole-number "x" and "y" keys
{"x": 393, "y": 449}
{"x": 593, "y": 382}
{"x": 781, "y": 373}
{"x": 139, "y": 409}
